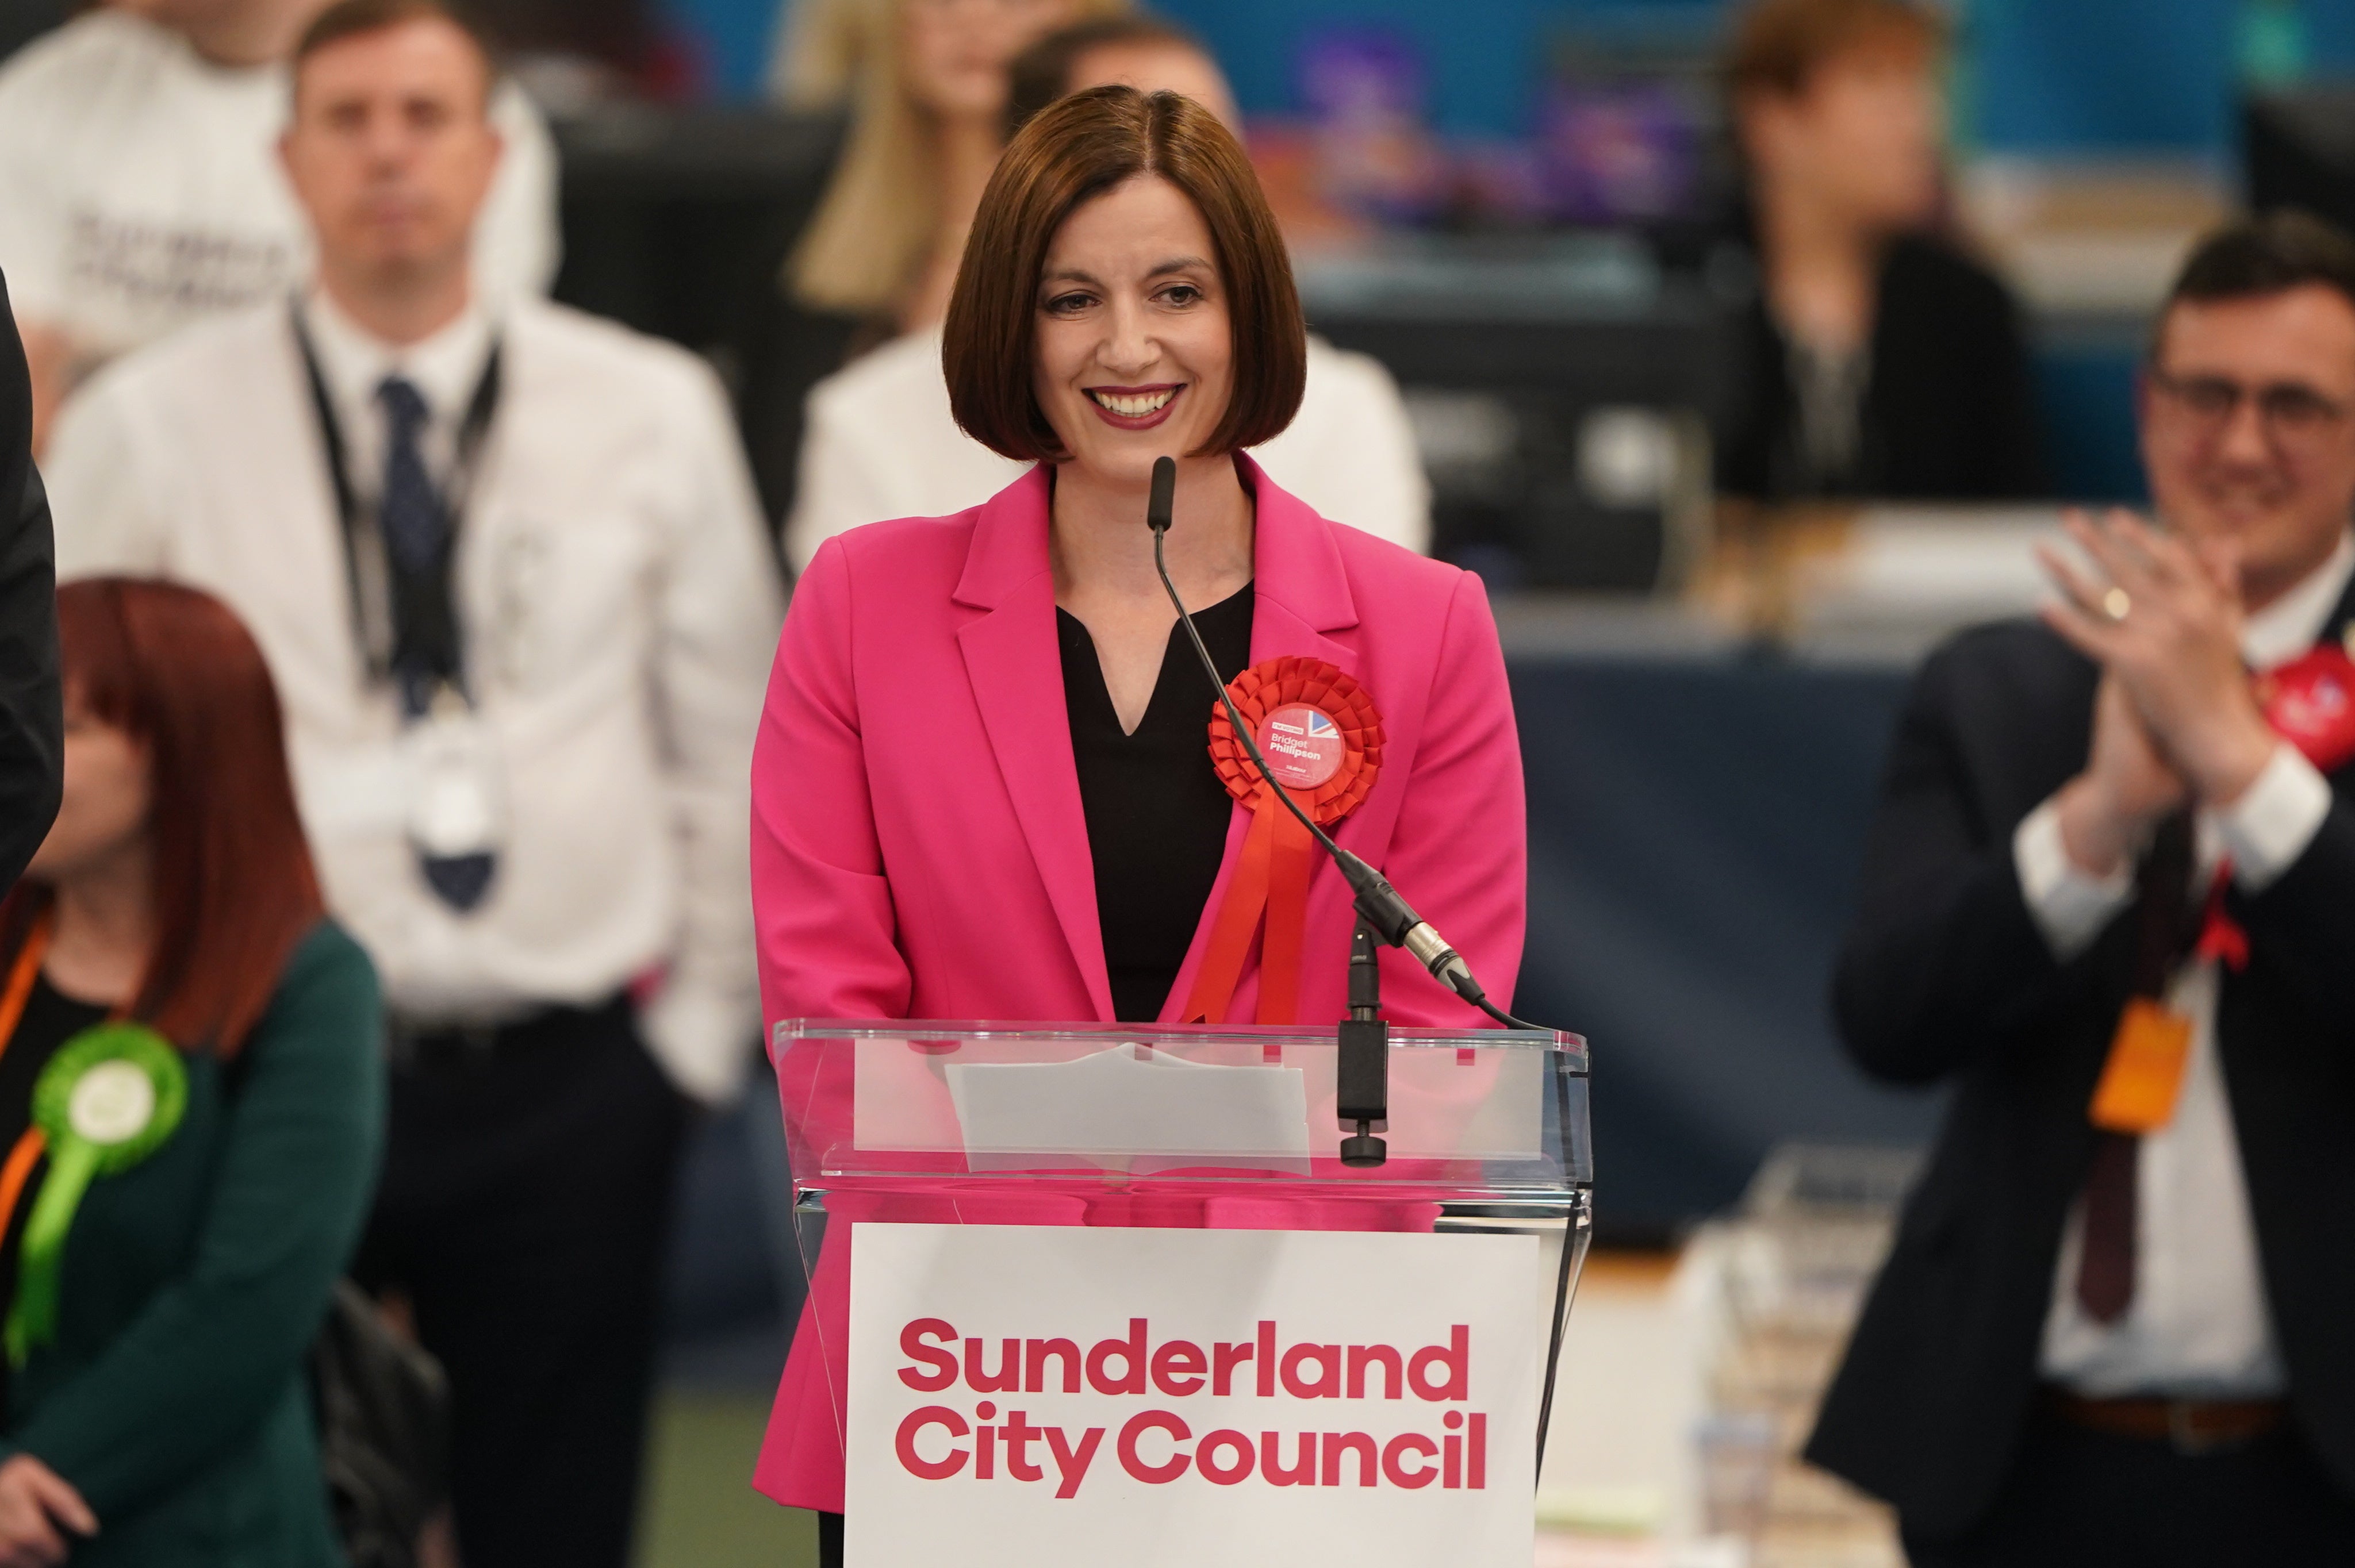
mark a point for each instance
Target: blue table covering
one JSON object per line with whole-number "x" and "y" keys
{"x": 1696, "y": 826}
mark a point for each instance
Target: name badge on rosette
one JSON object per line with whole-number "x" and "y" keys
{"x": 1323, "y": 739}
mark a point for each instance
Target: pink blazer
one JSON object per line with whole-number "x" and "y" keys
{"x": 919, "y": 849}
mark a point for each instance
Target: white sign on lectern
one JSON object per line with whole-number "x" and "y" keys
{"x": 1076, "y": 1397}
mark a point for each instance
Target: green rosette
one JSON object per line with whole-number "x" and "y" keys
{"x": 111, "y": 1097}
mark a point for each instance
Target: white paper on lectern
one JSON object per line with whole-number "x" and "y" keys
{"x": 991, "y": 1283}
{"x": 1134, "y": 1109}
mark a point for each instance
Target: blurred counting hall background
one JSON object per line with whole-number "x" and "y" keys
{"x": 1533, "y": 235}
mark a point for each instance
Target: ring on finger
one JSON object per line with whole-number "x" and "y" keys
{"x": 2115, "y": 604}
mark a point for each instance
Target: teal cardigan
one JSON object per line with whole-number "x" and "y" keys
{"x": 175, "y": 1398}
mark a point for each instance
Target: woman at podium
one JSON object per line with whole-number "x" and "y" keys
{"x": 988, "y": 784}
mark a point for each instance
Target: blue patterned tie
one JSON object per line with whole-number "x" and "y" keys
{"x": 416, "y": 532}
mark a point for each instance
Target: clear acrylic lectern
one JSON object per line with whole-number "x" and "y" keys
{"x": 1183, "y": 1125}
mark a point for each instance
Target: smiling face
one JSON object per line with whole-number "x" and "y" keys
{"x": 1135, "y": 354}
{"x": 2248, "y": 427}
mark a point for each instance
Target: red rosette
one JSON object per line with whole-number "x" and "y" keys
{"x": 2310, "y": 702}
{"x": 1323, "y": 737}
{"x": 1290, "y": 680}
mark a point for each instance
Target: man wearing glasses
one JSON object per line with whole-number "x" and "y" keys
{"x": 2110, "y": 895}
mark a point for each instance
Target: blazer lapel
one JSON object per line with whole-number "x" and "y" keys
{"x": 1300, "y": 593}
{"x": 1014, "y": 664}
{"x": 1299, "y": 589}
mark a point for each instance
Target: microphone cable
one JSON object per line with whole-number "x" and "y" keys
{"x": 1389, "y": 914}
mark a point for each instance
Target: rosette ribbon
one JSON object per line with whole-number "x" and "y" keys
{"x": 1322, "y": 738}
{"x": 112, "y": 1095}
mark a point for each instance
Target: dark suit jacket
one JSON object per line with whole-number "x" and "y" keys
{"x": 31, "y": 760}
{"x": 1945, "y": 976}
{"x": 1949, "y": 413}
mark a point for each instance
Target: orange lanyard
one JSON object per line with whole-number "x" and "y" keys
{"x": 18, "y": 1167}
{"x": 20, "y": 979}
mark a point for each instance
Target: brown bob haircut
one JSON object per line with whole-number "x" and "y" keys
{"x": 1080, "y": 148}
{"x": 234, "y": 890}
{"x": 356, "y": 18}
{"x": 1779, "y": 45}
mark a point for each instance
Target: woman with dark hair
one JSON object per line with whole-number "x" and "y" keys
{"x": 984, "y": 785}
{"x": 1877, "y": 360}
{"x": 190, "y": 1108}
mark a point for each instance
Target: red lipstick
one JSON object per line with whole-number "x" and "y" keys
{"x": 1154, "y": 403}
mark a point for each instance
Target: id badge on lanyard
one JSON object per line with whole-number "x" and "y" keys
{"x": 457, "y": 789}
{"x": 453, "y": 793}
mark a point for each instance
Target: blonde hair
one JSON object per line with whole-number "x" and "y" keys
{"x": 817, "y": 55}
{"x": 879, "y": 219}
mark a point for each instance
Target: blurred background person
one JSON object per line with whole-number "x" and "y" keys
{"x": 521, "y": 662}
{"x": 927, "y": 119}
{"x": 30, "y": 717}
{"x": 2114, "y": 1329}
{"x": 881, "y": 443}
{"x": 140, "y": 189}
{"x": 1879, "y": 360}
{"x": 1132, "y": 50}
{"x": 158, "y": 1410}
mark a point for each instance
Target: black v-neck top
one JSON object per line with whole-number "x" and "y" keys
{"x": 1156, "y": 810}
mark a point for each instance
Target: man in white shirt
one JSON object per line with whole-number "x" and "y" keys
{"x": 140, "y": 189}
{"x": 879, "y": 441}
{"x": 2110, "y": 893}
{"x": 509, "y": 570}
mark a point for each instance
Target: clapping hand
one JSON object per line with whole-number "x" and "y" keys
{"x": 2174, "y": 719}
{"x": 36, "y": 1505}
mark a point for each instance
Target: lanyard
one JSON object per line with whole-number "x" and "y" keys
{"x": 24, "y": 971}
{"x": 424, "y": 619}
{"x": 27, "y": 970}
{"x": 17, "y": 1169}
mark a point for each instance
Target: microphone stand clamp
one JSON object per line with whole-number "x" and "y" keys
{"x": 1361, "y": 1073}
